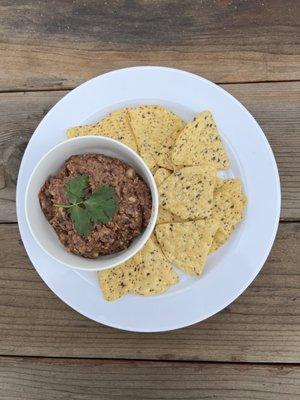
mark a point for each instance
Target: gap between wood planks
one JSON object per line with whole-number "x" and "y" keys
{"x": 60, "y": 89}
{"x": 128, "y": 360}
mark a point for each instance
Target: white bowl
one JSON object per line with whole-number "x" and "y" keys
{"x": 49, "y": 165}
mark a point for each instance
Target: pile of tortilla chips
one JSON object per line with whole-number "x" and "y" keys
{"x": 198, "y": 210}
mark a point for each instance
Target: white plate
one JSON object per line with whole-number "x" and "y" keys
{"x": 230, "y": 270}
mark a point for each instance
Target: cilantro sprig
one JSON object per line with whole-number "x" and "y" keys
{"x": 84, "y": 212}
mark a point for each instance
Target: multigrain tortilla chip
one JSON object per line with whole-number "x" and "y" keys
{"x": 187, "y": 244}
{"x": 188, "y": 193}
{"x": 160, "y": 175}
{"x": 155, "y": 129}
{"x": 220, "y": 238}
{"x": 146, "y": 155}
{"x": 164, "y": 215}
{"x": 228, "y": 208}
{"x": 115, "y": 125}
{"x": 219, "y": 183}
{"x": 200, "y": 143}
{"x": 147, "y": 273}
{"x": 118, "y": 281}
{"x": 229, "y": 204}
{"x": 156, "y": 274}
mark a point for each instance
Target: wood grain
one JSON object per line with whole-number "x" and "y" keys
{"x": 49, "y": 351}
{"x": 225, "y": 41}
{"x": 274, "y": 105}
{"x": 261, "y": 326}
{"x": 33, "y": 379}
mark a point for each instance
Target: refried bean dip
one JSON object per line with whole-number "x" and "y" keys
{"x": 133, "y": 198}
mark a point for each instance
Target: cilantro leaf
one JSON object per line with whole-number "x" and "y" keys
{"x": 81, "y": 220}
{"x": 75, "y": 188}
{"x": 102, "y": 204}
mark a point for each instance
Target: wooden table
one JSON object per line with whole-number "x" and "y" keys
{"x": 251, "y": 349}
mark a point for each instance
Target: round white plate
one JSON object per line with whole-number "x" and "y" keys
{"x": 230, "y": 270}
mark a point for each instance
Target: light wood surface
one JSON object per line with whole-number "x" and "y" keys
{"x": 250, "y": 350}
{"x": 35, "y": 379}
{"x": 275, "y": 106}
{"x": 59, "y": 44}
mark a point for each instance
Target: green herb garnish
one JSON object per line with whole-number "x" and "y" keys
{"x": 101, "y": 206}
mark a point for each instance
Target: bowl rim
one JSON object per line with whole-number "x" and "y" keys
{"x": 142, "y": 238}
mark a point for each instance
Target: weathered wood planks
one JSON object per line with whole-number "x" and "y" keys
{"x": 261, "y": 326}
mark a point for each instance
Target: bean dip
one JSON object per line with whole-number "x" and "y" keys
{"x": 133, "y": 197}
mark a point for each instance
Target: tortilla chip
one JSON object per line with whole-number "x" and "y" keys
{"x": 155, "y": 274}
{"x": 147, "y": 273}
{"x": 155, "y": 129}
{"x": 220, "y": 238}
{"x": 229, "y": 204}
{"x": 115, "y": 125}
{"x": 147, "y": 157}
{"x": 228, "y": 209}
{"x": 200, "y": 143}
{"x": 118, "y": 281}
{"x": 219, "y": 183}
{"x": 188, "y": 193}
{"x": 160, "y": 175}
{"x": 164, "y": 215}
{"x": 187, "y": 244}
